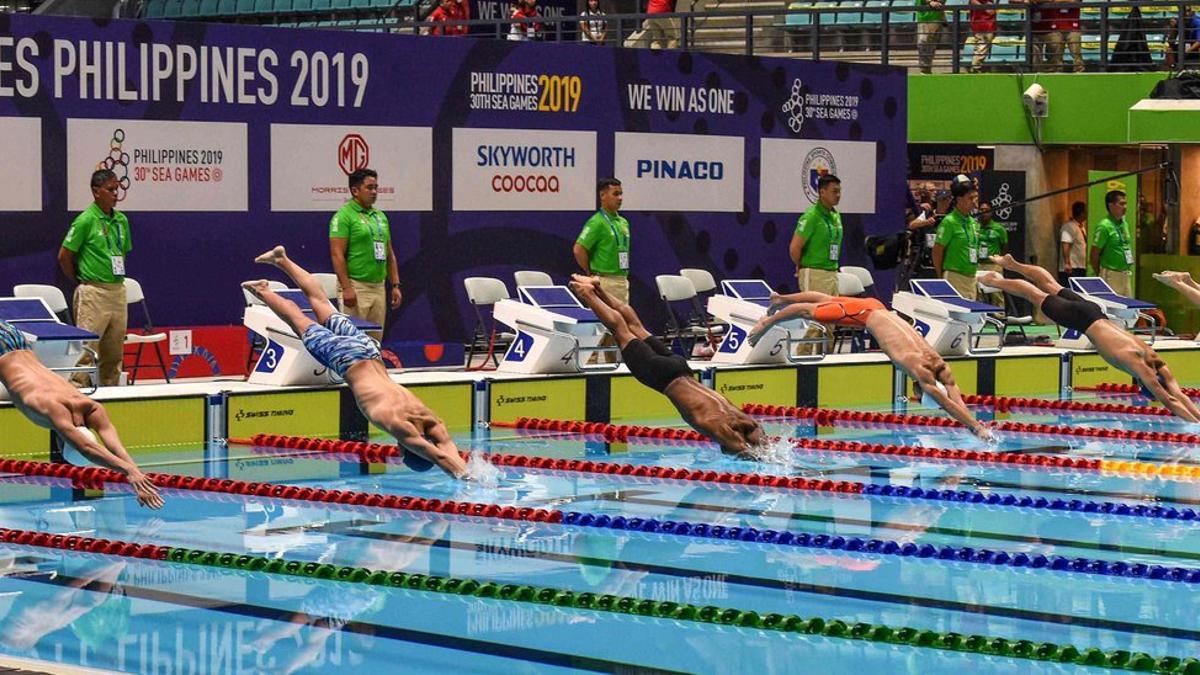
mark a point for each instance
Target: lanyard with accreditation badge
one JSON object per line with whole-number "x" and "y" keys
{"x": 975, "y": 245}
{"x": 1120, "y": 228}
{"x": 376, "y": 232}
{"x": 622, "y": 256}
{"x": 116, "y": 256}
{"x": 835, "y": 237}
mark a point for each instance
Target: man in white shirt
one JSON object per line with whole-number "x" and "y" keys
{"x": 1073, "y": 257}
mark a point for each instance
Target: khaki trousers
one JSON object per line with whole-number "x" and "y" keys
{"x": 656, "y": 34}
{"x": 996, "y": 299}
{"x": 372, "y": 304}
{"x": 817, "y": 281}
{"x": 983, "y": 49}
{"x": 963, "y": 283}
{"x": 1118, "y": 280}
{"x": 101, "y": 309}
{"x": 617, "y": 287}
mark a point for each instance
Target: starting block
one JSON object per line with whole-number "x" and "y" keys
{"x": 284, "y": 361}
{"x": 554, "y": 332}
{"x": 57, "y": 345}
{"x": 950, "y": 323}
{"x": 1119, "y": 309}
{"x": 741, "y": 303}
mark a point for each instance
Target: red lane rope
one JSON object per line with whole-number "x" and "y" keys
{"x": 375, "y": 452}
{"x": 95, "y": 478}
{"x": 84, "y": 544}
{"x": 1125, "y": 388}
{"x": 863, "y": 419}
{"x": 1007, "y": 403}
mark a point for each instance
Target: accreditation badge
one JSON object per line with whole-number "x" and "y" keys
{"x": 623, "y": 259}
{"x": 118, "y": 265}
{"x": 1128, "y": 257}
{"x": 380, "y": 251}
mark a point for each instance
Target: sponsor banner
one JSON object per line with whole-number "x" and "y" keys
{"x": 631, "y": 401}
{"x": 23, "y": 439}
{"x": 21, "y": 138}
{"x": 558, "y": 398}
{"x": 178, "y": 424}
{"x": 310, "y": 164}
{"x": 281, "y": 469}
{"x": 524, "y": 170}
{"x": 946, "y": 161}
{"x": 304, "y": 413}
{"x": 790, "y": 169}
{"x": 673, "y": 172}
{"x": 161, "y": 166}
{"x": 775, "y": 386}
{"x": 1089, "y": 370}
{"x": 858, "y": 385}
{"x": 1033, "y": 376}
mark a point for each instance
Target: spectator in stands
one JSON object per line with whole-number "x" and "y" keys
{"x": 593, "y": 28}
{"x": 931, "y": 18}
{"x": 1191, "y": 35}
{"x": 448, "y": 10}
{"x": 1112, "y": 255}
{"x": 1063, "y": 34}
{"x": 983, "y": 26}
{"x": 657, "y": 32}
{"x": 1073, "y": 260}
{"x": 524, "y": 31}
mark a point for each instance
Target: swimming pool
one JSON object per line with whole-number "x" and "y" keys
{"x": 922, "y": 552}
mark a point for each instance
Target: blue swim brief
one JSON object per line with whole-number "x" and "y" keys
{"x": 339, "y": 344}
{"x": 11, "y": 339}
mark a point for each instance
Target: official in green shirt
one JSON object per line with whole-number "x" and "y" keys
{"x": 1112, "y": 249}
{"x": 931, "y": 18}
{"x": 957, "y": 245}
{"x": 816, "y": 246}
{"x": 602, "y": 247}
{"x": 93, "y": 256}
{"x": 360, "y": 245}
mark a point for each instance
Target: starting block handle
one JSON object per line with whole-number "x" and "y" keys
{"x": 93, "y": 370}
{"x": 974, "y": 336}
{"x": 819, "y": 342}
{"x": 1152, "y": 331}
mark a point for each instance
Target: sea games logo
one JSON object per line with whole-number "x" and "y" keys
{"x": 794, "y": 107}
{"x": 818, "y": 162}
{"x": 117, "y": 161}
{"x": 353, "y": 153}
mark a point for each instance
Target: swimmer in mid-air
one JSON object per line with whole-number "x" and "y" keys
{"x": 653, "y": 364}
{"x": 1117, "y": 346}
{"x": 340, "y": 346}
{"x": 902, "y": 344}
{"x": 51, "y": 402}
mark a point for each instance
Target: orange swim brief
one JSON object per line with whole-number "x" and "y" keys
{"x": 852, "y": 312}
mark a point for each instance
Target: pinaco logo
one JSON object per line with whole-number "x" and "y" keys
{"x": 818, "y": 162}
{"x": 117, "y": 161}
{"x": 353, "y": 153}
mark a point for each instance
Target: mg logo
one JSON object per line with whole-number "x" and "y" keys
{"x": 353, "y": 153}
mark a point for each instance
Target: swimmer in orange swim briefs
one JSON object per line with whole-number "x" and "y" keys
{"x": 899, "y": 340}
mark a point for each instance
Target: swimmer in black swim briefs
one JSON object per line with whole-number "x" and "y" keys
{"x": 1115, "y": 345}
{"x": 654, "y": 365}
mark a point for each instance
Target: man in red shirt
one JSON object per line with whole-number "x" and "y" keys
{"x": 983, "y": 25}
{"x": 657, "y": 32}
{"x": 448, "y": 10}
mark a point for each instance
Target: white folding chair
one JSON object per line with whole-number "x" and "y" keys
{"x": 864, "y": 277}
{"x": 53, "y": 296}
{"x": 702, "y": 280}
{"x": 849, "y": 285}
{"x": 532, "y": 278}
{"x": 135, "y": 296}
{"x": 485, "y": 292}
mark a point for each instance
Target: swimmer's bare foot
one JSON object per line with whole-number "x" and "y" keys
{"x": 256, "y": 288}
{"x": 272, "y": 257}
{"x": 1173, "y": 278}
{"x": 1006, "y": 261}
{"x": 586, "y": 280}
{"x": 989, "y": 278}
{"x": 777, "y": 303}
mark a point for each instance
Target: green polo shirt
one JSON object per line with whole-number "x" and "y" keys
{"x": 362, "y": 227}
{"x": 605, "y": 236}
{"x": 929, "y": 15}
{"x": 821, "y": 229}
{"x": 95, "y": 238}
{"x": 995, "y": 237}
{"x": 1112, "y": 238}
{"x": 959, "y": 233}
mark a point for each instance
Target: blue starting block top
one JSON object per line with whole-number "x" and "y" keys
{"x": 301, "y": 301}
{"x": 1098, "y": 288}
{"x": 942, "y": 291}
{"x": 31, "y": 315}
{"x": 559, "y": 300}
{"x": 750, "y": 290}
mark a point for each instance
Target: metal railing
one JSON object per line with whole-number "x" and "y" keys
{"x": 1128, "y": 35}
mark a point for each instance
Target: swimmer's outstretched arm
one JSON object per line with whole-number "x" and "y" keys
{"x": 1182, "y": 282}
{"x": 1163, "y": 394}
{"x": 799, "y": 310}
{"x": 68, "y": 427}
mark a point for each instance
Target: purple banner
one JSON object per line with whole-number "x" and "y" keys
{"x": 230, "y": 139}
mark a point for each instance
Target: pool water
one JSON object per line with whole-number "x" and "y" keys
{"x": 113, "y": 613}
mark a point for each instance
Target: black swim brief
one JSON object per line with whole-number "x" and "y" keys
{"x": 653, "y": 363}
{"x": 1069, "y": 310}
